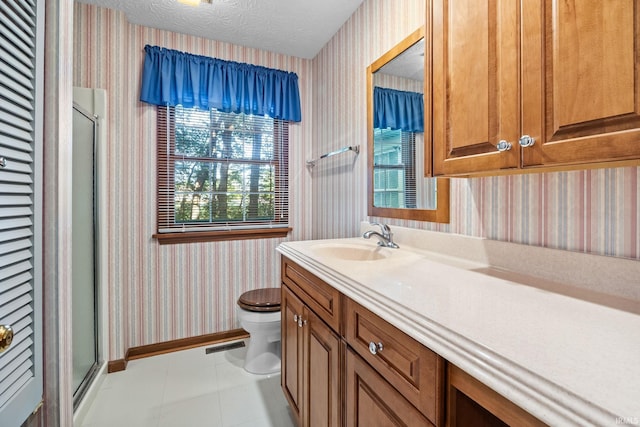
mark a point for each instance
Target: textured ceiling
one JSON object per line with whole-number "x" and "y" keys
{"x": 291, "y": 27}
{"x": 408, "y": 64}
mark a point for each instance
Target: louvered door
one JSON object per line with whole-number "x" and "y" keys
{"x": 21, "y": 27}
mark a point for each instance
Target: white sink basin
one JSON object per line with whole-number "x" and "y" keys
{"x": 349, "y": 252}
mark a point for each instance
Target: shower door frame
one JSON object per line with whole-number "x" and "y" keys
{"x": 91, "y": 374}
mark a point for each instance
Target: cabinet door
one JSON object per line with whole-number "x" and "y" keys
{"x": 292, "y": 351}
{"x": 321, "y": 374}
{"x": 580, "y": 80}
{"x": 371, "y": 401}
{"x": 475, "y": 85}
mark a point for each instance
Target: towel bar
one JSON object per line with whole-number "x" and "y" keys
{"x": 355, "y": 148}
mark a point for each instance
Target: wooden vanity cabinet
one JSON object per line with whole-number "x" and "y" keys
{"x": 372, "y": 401}
{"x": 321, "y": 298}
{"x": 343, "y": 365}
{"x": 565, "y": 73}
{"x": 292, "y": 349}
{"x": 311, "y": 349}
{"x": 415, "y": 373}
{"x": 471, "y": 403}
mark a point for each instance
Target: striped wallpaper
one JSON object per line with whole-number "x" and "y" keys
{"x": 595, "y": 211}
{"x": 339, "y": 79}
{"x": 159, "y": 293}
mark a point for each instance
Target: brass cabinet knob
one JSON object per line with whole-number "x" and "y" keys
{"x": 6, "y": 337}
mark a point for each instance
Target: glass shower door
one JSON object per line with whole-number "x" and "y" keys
{"x": 84, "y": 295}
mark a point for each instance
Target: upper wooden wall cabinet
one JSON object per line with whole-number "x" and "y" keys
{"x": 563, "y": 72}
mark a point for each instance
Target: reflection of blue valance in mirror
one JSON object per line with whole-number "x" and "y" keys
{"x": 398, "y": 109}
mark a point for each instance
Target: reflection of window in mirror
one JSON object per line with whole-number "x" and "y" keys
{"x": 398, "y": 121}
{"x": 394, "y": 168}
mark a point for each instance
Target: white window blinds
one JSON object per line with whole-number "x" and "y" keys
{"x": 221, "y": 171}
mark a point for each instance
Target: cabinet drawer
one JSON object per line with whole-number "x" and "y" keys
{"x": 371, "y": 401}
{"x": 414, "y": 370}
{"x": 320, "y": 297}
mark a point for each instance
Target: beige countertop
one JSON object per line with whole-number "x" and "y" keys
{"x": 566, "y": 360}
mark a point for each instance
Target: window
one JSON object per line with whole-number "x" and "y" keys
{"x": 221, "y": 175}
{"x": 394, "y": 171}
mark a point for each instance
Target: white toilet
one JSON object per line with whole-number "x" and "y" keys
{"x": 259, "y": 314}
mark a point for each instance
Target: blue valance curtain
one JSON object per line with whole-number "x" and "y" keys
{"x": 398, "y": 109}
{"x": 171, "y": 77}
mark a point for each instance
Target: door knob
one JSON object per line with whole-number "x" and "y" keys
{"x": 526, "y": 141}
{"x": 375, "y": 348}
{"x": 6, "y": 337}
{"x": 503, "y": 145}
{"x": 301, "y": 322}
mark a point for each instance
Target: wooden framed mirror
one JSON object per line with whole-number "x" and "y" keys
{"x": 399, "y": 163}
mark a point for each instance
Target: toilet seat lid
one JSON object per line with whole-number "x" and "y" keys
{"x": 266, "y": 299}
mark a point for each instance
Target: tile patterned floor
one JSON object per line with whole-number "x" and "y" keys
{"x": 189, "y": 388}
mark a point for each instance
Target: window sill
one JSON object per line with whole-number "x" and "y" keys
{"x": 217, "y": 236}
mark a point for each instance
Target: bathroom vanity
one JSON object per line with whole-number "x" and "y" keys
{"x": 381, "y": 336}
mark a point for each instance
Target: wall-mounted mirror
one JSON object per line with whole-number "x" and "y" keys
{"x": 397, "y": 118}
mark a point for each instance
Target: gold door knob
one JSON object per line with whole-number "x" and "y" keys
{"x": 6, "y": 337}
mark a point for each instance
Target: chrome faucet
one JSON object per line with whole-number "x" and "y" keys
{"x": 385, "y": 238}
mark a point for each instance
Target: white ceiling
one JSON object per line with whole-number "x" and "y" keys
{"x": 292, "y": 27}
{"x": 408, "y": 64}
